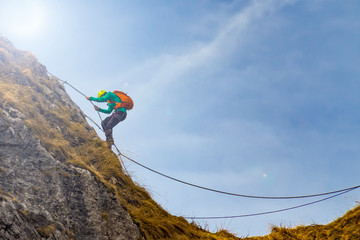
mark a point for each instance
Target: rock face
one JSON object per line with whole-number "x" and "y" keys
{"x": 42, "y": 196}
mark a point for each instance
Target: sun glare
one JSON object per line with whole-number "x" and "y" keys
{"x": 26, "y": 20}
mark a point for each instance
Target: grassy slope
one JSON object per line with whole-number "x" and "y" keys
{"x": 73, "y": 141}
{"x": 345, "y": 228}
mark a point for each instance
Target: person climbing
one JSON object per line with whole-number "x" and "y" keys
{"x": 119, "y": 102}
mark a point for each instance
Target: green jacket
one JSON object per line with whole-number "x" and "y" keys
{"x": 109, "y": 96}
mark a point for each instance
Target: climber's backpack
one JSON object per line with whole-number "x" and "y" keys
{"x": 126, "y": 101}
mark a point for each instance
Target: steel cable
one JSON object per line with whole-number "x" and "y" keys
{"x": 275, "y": 211}
{"x": 65, "y": 82}
{"x": 337, "y": 192}
{"x": 236, "y": 194}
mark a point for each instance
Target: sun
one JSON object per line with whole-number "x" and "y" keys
{"x": 26, "y": 19}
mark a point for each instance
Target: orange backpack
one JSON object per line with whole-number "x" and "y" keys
{"x": 126, "y": 101}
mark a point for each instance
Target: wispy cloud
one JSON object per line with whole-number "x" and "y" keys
{"x": 166, "y": 68}
{"x": 153, "y": 78}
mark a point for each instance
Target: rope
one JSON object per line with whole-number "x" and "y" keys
{"x": 338, "y": 192}
{"x": 271, "y": 212}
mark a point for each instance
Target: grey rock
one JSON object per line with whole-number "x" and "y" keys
{"x": 42, "y": 197}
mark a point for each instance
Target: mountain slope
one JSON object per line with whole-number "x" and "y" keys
{"x": 57, "y": 180}
{"x": 42, "y": 195}
{"x": 345, "y": 228}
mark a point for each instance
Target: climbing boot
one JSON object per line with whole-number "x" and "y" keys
{"x": 109, "y": 143}
{"x": 108, "y": 134}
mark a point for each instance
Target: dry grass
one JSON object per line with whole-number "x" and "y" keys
{"x": 46, "y": 231}
{"x": 344, "y": 228}
{"x": 25, "y": 213}
{"x": 6, "y": 195}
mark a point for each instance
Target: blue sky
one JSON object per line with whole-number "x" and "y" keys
{"x": 252, "y": 97}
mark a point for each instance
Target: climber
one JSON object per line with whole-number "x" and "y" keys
{"x": 118, "y": 101}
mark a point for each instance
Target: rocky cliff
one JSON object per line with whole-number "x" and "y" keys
{"x": 57, "y": 180}
{"x": 41, "y": 194}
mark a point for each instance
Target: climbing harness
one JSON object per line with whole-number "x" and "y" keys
{"x": 120, "y": 155}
